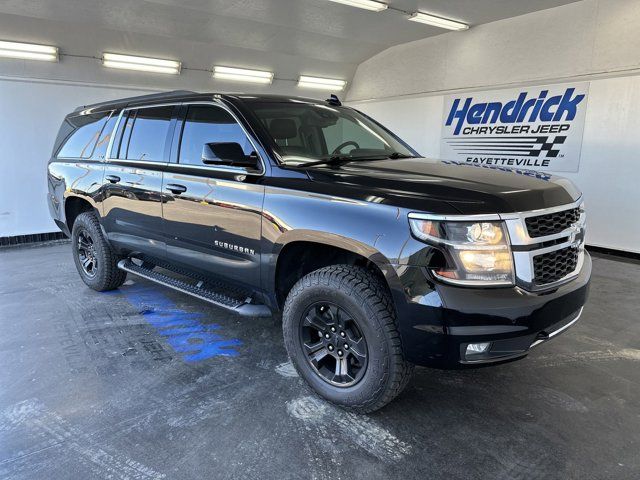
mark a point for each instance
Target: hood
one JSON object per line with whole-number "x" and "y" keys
{"x": 444, "y": 187}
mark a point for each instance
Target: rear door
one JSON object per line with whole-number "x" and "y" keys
{"x": 132, "y": 203}
{"x": 213, "y": 213}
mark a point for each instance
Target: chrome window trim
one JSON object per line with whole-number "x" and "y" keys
{"x": 130, "y": 161}
{"x": 217, "y": 168}
{"x": 518, "y": 235}
{"x": 107, "y": 155}
{"x": 220, "y": 168}
{"x": 140, "y": 163}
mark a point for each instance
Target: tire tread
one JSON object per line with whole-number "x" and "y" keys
{"x": 109, "y": 276}
{"x": 363, "y": 285}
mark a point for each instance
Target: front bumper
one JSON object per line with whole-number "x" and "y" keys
{"x": 438, "y": 321}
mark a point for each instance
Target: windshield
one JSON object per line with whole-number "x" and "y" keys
{"x": 306, "y": 133}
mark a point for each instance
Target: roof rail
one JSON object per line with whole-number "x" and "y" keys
{"x": 140, "y": 98}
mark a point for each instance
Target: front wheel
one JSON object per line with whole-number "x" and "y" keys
{"x": 341, "y": 335}
{"x": 95, "y": 261}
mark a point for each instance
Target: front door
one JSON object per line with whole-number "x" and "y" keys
{"x": 132, "y": 202}
{"x": 213, "y": 210}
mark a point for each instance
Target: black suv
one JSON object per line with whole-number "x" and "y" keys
{"x": 376, "y": 258}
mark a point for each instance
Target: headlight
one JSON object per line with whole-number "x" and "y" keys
{"x": 477, "y": 253}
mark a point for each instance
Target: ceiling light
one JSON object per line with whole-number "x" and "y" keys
{"x": 438, "y": 21}
{"x": 28, "y": 51}
{"x": 242, "y": 75}
{"x": 321, "y": 83}
{"x": 366, "y": 4}
{"x": 143, "y": 64}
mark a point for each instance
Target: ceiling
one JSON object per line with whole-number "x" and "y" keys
{"x": 306, "y": 30}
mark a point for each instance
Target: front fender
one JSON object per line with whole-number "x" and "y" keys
{"x": 372, "y": 230}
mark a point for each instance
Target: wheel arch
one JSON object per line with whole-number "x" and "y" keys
{"x": 310, "y": 251}
{"x": 74, "y": 205}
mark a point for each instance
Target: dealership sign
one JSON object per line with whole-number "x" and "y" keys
{"x": 536, "y": 128}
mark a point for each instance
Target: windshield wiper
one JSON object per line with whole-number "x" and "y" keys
{"x": 340, "y": 159}
{"x": 334, "y": 160}
{"x": 396, "y": 155}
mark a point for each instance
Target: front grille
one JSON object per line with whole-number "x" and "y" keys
{"x": 553, "y": 266}
{"x": 551, "y": 223}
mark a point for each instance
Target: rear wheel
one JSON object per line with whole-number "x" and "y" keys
{"x": 95, "y": 261}
{"x": 341, "y": 335}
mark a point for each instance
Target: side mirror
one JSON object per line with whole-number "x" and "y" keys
{"x": 227, "y": 153}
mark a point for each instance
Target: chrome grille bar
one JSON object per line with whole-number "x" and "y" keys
{"x": 573, "y": 236}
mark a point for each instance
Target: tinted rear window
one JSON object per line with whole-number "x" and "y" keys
{"x": 148, "y": 131}
{"x": 78, "y": 135}
{"x": 100, "y": 150}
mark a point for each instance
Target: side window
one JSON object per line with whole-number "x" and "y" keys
{"x": 145, "y": 134}
{"x": 204, "y": 127}
{"x": 78, "y": 135}
{"x": 100, "y": 151}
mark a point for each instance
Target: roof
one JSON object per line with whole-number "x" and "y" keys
{"x": 188, "y": 95}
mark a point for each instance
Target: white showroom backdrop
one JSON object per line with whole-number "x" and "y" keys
{"x": 32, "y": 112}
{"x": 594, "y": 41}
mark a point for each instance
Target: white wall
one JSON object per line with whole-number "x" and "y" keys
{"x": 30, "y": 117}
{"x": 82, "y": 46}
{"x": 35, "y": 96}
{"x": 593, "y": 40}
{"x": 574, "y": 41}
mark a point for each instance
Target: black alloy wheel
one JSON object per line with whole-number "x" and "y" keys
{"x": 96, "y": 261}
{"x": 339, "y": 328}
{"x": 334, "y": 344}
{"x": 87, "y": 253}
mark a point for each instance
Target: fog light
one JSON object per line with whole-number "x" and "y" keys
{"x": 476, "y": 348}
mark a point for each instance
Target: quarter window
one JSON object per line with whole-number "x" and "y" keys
{"x": 100, "y": 151}
{"x": 78, "y": 135}
{"x": 209, "y": 125}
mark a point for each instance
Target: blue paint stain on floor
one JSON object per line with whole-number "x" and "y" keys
{"x": 184, "y": 331}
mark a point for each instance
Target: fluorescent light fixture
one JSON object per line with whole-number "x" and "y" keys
{"x": 438, "y": 21}
{"x": 142, "y": 64}
{"x": 366, "y": 4}
{"x": 28, "y": 51}
{"x": 321, "y": 83}
{"x": 242, "y": 75}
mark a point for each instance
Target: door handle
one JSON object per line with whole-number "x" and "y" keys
{"x": 113, "y": 178}
{"x": 175, "y": 188}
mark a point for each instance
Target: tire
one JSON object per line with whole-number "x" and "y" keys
{"x": 100, "y": 271}
{"x": 358, "y": 295}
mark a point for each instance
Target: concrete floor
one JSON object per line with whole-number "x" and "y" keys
{"x": 106, "y": 385}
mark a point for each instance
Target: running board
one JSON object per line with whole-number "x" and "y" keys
{"x": 217, "y": 297}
